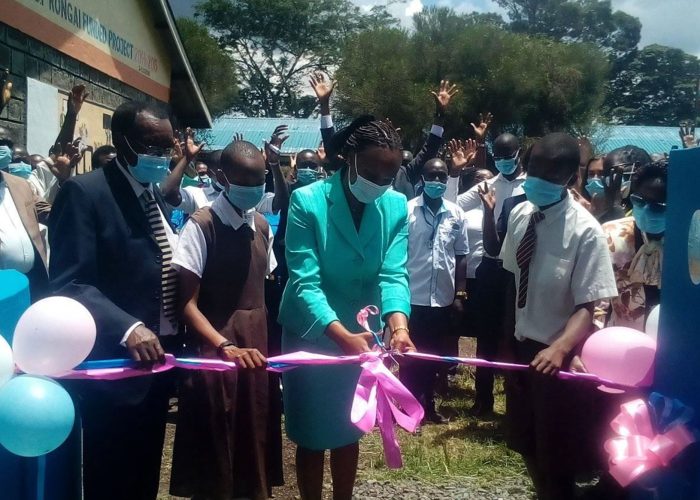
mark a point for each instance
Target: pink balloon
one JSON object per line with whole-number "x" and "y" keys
{"x": 53, "y": 336}
{"x": 621, "y": 355}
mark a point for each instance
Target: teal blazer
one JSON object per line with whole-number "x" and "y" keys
{"x": 334, "y": 270}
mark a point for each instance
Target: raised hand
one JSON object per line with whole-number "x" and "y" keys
{"x": 443, "y": 96}
{"x": 687, "y": 135}
{"x": 237, "y": 137}
{"x": 322, "y": 86}
{"x": 274, "y": 146}
{"x": 76, "y": 97}
{"x": 483, "y": 127}
{"x": 321, "y": 152}
{"x": 463, "y": 153}
{"x": 5, "y": 88}
{"x": 63, "y": 161}
{"x": 191, "y": 149}
{"x": 488, "y": 197}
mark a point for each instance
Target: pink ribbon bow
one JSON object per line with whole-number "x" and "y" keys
{"x": 379, "y": 396}
{"x": 637, "y": 449}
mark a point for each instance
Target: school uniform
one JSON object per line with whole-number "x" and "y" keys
{"x": 570, "y": 266}
{"x": 221, "y": 441}
{"x": 434, "y": 242}
{"x": 488, "y": 289}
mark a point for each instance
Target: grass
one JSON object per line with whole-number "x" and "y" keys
{"x": 466, "y": 448}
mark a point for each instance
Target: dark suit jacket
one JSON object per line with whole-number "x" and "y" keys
{"x": 104, "y": 255}
{"x": 408, "y": 175}
{"x": 31, "y": 210}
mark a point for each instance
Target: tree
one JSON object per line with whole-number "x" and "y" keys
{"x": 532, "y": 85}
{"x": 214, "y": 69}
{"x": 658, "y": 87}
{"x": 277, "y": 43}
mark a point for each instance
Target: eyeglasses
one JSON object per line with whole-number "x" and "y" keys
{"x": 654, "y": 206}
{"x": 149, "y": 150}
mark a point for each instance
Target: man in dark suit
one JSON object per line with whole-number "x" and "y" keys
{"x": 111, "y": 245}
{"x": 409, "y": 174}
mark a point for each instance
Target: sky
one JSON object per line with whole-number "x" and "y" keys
{"x": 667, "y": 22}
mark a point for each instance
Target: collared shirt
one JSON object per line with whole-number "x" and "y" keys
{"x": 502, "y": 187}
{"x": 16, "y": 249}
{"x": 191, "y": 253}
{"x": 434, "y": 241}
{"x": 43, "y": 183}
{"x": 194, "y": 198}
{"x": 166, "y": 327}
{"x": 475, "y": 230}
{"x": 570, "y": 266}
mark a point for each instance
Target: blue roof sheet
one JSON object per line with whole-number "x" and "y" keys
{"x": 651, "y": 139}
{"x": 304, "y": 133}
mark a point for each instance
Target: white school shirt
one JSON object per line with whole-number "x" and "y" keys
{"x": 434, "y": 241}
{"x": 16, "y": 249}
{"x": 191, "y": 253}
{"x": 166, "y": 327}
{"x": 475, "y": 230}
{"x": 570, "y": 266}
{"x": 502, "y": 187}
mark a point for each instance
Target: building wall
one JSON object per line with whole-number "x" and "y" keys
{"x": 27, "y": 57}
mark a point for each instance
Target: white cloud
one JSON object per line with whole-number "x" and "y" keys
{"x": 414, "y": 7}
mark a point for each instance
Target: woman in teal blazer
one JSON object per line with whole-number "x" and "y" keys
{"x": 346, "y": 248}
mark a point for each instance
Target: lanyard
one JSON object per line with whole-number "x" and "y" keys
{"x": 434, "y": 228}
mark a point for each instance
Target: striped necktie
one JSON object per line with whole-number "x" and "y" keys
{"x": 168, "y": 275}
{"x": 524, "y": 255}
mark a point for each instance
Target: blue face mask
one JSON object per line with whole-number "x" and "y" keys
{"x": 434, "y": 189}
{"x": 507, "y": 166}
{"x": 541, "y": 193}
{"x": 648, "y": 221}
{"x": 306, "y": 176}
{"x": 245, "y": 197}
{"x": 189, "y": 181}
{"x": 20, "y": 169}
{"x": 364, "y": 190}
{"x": 5, "y": 157}
{"x": 595, "y": 186}
{"x": 206, "y": 180}
{"x": 150, "y": 169}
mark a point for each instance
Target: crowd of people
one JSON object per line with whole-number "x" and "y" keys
{"x": 172, "y": 247}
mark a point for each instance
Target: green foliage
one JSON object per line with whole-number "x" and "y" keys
{"x": 530, "y": 84}
{"x": 658, "y": 87}
{"x": 277, "y": 43}
{"x": 214, "y": 69}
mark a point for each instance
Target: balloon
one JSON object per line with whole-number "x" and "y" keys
{"x": 53, "y": 336}
{"x": 652, "y": 327}
{"x": 621, "y": 355}
{"x": 7, "y": 365}
{"x": 36, "y": 415}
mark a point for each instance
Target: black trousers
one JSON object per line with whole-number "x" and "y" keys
{"x": 489, "y": 300}
{"x": 430, "y": 328}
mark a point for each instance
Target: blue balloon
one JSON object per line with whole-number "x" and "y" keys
{"x": 36, "y": 415}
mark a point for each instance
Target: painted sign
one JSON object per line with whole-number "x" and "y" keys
{"x": 117, "y": 38}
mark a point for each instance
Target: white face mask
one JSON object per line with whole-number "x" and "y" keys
{"x": 365, "y": 190}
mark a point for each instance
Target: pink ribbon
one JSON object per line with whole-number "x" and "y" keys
{"x": 637, "y": 449}
{"x": 380, "y": 399}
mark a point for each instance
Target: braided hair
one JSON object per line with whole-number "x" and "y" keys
{"x": 366, "y": 132}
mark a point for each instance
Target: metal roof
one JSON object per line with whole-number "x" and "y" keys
{"x": 651, "y": 139}
{"x": 304, "y": 133}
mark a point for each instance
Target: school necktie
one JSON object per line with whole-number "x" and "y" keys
{"x": 524, "y": 255}
{"x": 168, "y": 275}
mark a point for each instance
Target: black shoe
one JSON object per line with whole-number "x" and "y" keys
{"x": 481, "y": 409}
{"x": 435, "y": 418}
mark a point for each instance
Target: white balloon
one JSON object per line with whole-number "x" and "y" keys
{"x": 652, "y": 327}
{"x": 7, "y": 364}
{"x": 53, "y": 336}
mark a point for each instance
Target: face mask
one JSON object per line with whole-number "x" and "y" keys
{"x": 150, "y": 169}
{"x": 206, "y": 180}
{"x": 20, "y": 169}
{"x": 507, "y": 166}
{"x": 364, "y": 190}
{"x": 5, "y": 157}
{"x": 189, "y": 181}
{"x": 649, "y": 222}
{"x": 245, "y": 197}
{"x": 595, "y": 186}
{"x": 541, "y": 192}
{"x": 306, "y": 176}
{"x": 434, "y": 189}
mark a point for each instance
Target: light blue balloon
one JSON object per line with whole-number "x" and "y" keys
{"x": 36, "y": 415}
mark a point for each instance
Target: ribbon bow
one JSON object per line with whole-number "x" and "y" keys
{"x": 644, "y": 443}
{"x": 379, "y": 396}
